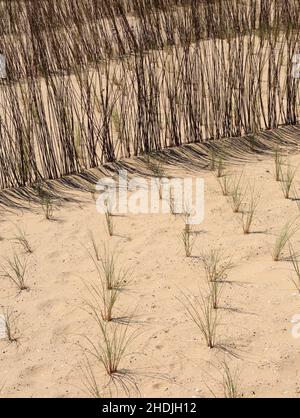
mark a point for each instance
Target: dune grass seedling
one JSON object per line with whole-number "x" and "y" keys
{"x": 47, "y": 206}
{"x": 102, "y": 301}
{"x": 230, "y": 382}
{"x": 278, "y": 160}
{"x": 157, "y": 170}
{"x": 173, "y": 204}
{"x": 15, "y": 271}
{"x": 89, "y": 380}
{"x": 296, "y": 198}
{"x": 111, "y": 349}
{"x": 95, "y": 246}
{"x": 220, "y": 168}
{"x": 249, "y": 211}
{"x": 237, "y": 194}
{"x": 108, "y": 299}
{"x": 212, "y": 160}
{"x": 10, "y": 319}
{"x": 287, "y": 179}
{"x": 108, "y": 267}
{"x": 225, "y": 184}
{"x": 204, "y": 316}
{"x": 109, "y": 222}
{"x": 216, "y": 266}
{"x": 188, "y": 239}
{"x": 215, "y": 289}
{"x": 108, "y": 272}
{"x": 286, "y": 233}
{"x": 295, "y": 262}
{"x": 21, "y": 239}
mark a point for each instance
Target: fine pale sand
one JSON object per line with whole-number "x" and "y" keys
{"x": 169, "y": 357}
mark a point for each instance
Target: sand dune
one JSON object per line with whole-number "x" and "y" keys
{"x": 169, "y": 356}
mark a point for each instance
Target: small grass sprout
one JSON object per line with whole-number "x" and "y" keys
{"x": 230, "y": 382}
{"x": 294, "y": 259}
{"x": 225, "y": 185}
{"x": 216, "y": 266}
{"x": 47, "y": 206}
{"x": 109, "y": 273}
{"x": 90, "y": 380}
{"x": 21, "y": 239}
{"x": 94, "y": 245}
{"x": 287, "y": 181}
{"x": 286, "y": 233}
{"x": 278, "y": 160}
{"x": 15, "y": 271}
{"x": 220, "y": 168}
{"x": 204, "y": 316}
{"x": 109, "y": 220}
{"x": 110, "y": 350}
{"x": 102, "y": 301}
{"x": 249, "y": 211}
{"x": 215, "y": 288}
{"x": 10, "y": 319}
{"x": 187, "y": 237}
{"x": 237, "y": 194}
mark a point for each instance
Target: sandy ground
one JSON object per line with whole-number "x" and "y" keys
{"x": 169, "y": 357}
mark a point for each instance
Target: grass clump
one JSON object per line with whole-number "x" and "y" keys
{"x": 10, "y": 319}
{"x": 213, "y": 160}
{"x": 220, "y": 169}
{"x": 21, "y": 239}
{"x": 90, "y": 380}
{"x": 287, "y": 181}
{"x": 15, "y": 271}
{"x": 296, "y": 267}
{"x": 173, "y": 204}
{"x": 157, "y": 170}
{"x": 249, "y": 211}
{"x": 188, "y": 239}
{"x": 225, "y": 185}
{"x": 288, "y": 230}
{"x": 109, "y": 274}
{"x": 111, "y": 349}
{"x": 109, "y": 221}
{"x": 296, "y": 198}
{"x": 204, "y": 316}
{"x": 215, "y": 288}
{"x": 230, "y": 382}
{"x": 216, "y": 267}
{"x": 94, "y": 245}
{"x": 47, "y": 206}
{"x": 237, "y": 194}
{"x": 278, "y": 160}
{"x": 102, "y": 301}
